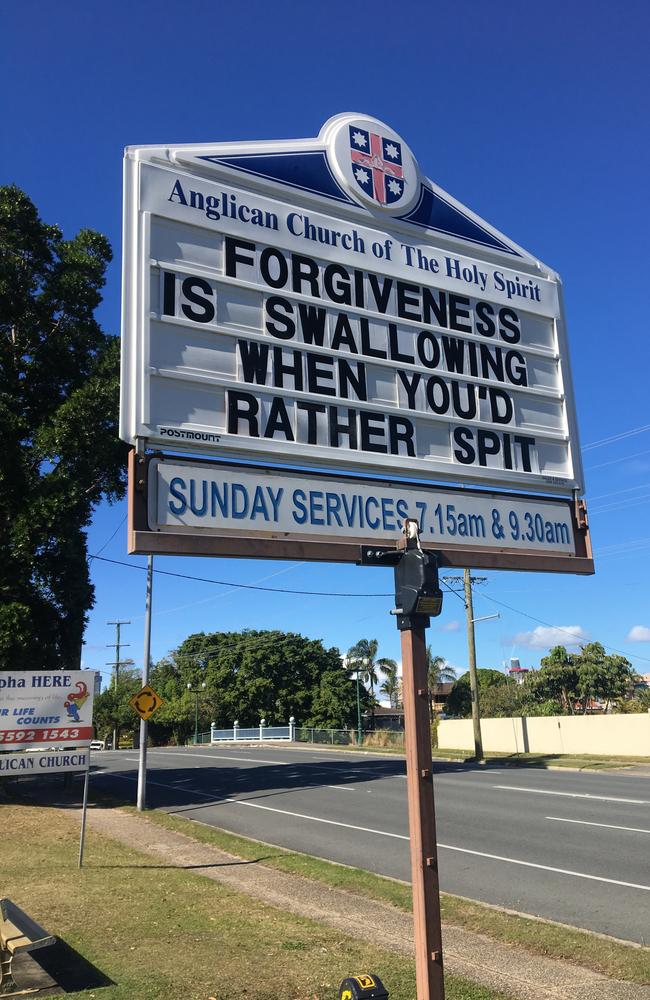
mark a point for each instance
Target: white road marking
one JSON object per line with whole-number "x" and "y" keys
{"x": 606, "y": 826}
{"x": 341, "y": 788}
{"x": 401, "y": 836}
{"x": 572, "y": 795}
{"x": 221, "y": 756}
{"x": 318, "y": 819}
{"x": 547, "y": 868}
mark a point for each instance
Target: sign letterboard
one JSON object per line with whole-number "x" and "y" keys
{"x": 320, "y": 302}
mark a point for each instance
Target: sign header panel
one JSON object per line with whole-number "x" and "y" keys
{"x": 46, "y": 708}
{"x": 322, "y": 303}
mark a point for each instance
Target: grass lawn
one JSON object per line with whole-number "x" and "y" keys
{"x": 167, "y": 934}
{"x": 620, "y": 961}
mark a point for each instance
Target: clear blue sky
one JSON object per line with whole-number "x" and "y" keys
{"x": 535, "y": 117}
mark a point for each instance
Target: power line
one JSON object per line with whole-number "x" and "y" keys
{"x": 630, "y": 545}
{"x": 243, "y": 645}
{"x": 616, "y": 493}
{"x": 109, "y": 540}
{"x": 617, "y": 437}
{"x": 312, "y": 593}
{"x": 617, "y": 461}
{"x": 556, "y": 628}
{"x": 239, "y": 586}
{"x": 621, "y": 504}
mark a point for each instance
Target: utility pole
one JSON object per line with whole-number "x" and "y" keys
{"x": 473, "y": 679}
{"x": 117, "y": 645}
{"x": 467, "y": 581}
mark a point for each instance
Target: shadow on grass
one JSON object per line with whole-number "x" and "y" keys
{"x": 68, "y": 969}
{"x": 220, "y": 864}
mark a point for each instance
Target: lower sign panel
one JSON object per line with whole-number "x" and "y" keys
{"x": 15, "y": 765}
{"x": 193, "y": 507}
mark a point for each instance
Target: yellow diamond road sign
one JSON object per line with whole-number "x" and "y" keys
{"x": 146, "y": 702}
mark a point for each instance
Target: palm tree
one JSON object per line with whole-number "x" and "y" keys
{"x": 362, "y": 657}
{"x": 438, "y": 672}
{"x": 392, "y": 686}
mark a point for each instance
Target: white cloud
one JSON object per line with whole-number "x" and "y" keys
{"x": 546, "y": 636}
{"x": 639, "y": 633}
{"x": 449, "y": 627}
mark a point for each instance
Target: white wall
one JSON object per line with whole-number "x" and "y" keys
{"x": 618, "y": 735}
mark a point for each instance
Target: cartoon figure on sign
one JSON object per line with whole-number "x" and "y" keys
{"x": 76, "y": 700}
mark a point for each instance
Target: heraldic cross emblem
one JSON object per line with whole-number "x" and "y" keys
{"x": 377, "y": 165}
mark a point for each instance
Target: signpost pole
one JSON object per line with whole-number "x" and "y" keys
{"x": 84, "y": 810}
{"x": 422, "y": 822}
{"x": 144, "y": 725}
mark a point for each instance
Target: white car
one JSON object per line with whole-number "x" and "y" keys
{"x": 98, "y": 744}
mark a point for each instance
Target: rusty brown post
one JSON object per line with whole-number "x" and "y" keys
{"x": 422, "y": 820}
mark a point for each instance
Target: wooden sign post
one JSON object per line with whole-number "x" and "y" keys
{"x": 422, "y": 820}
{"x": 417, "y": 595}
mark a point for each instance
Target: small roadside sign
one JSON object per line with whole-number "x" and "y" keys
{"x": 146, "y": 702}
{"x": 18, "y": 765}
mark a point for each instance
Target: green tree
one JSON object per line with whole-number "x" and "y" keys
{"x": 59, "y": 384}
{"x": 251, "y": 675}
{"x": 335, "y": 702}
{"x": 363, "y": 657}
{"x": 557, "y": 679}
{"x": 503, "y": 701}
{"x": 438, "y": 672}
{"x": 112, "y": 709}
{"x": 602, "y": 677}
{"x": 639, "y": 702}
{"x": 392, "y": 686}
{"x": 460, "y": 700}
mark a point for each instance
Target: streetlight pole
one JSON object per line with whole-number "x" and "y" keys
{"x": 359, "y": 733}
{"x": 196, "y": 710}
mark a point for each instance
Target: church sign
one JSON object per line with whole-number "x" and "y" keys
{"x": 321, "y": 303}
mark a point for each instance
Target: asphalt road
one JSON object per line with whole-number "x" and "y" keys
{"x": 569, "y": 846}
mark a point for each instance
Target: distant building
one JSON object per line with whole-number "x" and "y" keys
{"x": 518, "y": 673}
{"x": 387, "y": 718}
{"x": 98, "y": 682}
{"x": 441, "y": 694}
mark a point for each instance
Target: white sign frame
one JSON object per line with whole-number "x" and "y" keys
{"x": 150, "y": 174}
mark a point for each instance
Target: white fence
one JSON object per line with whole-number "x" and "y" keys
{"x": 606, "y": 735}
{"x": 253, "y": 733}
{"x": 290, "y": 733}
